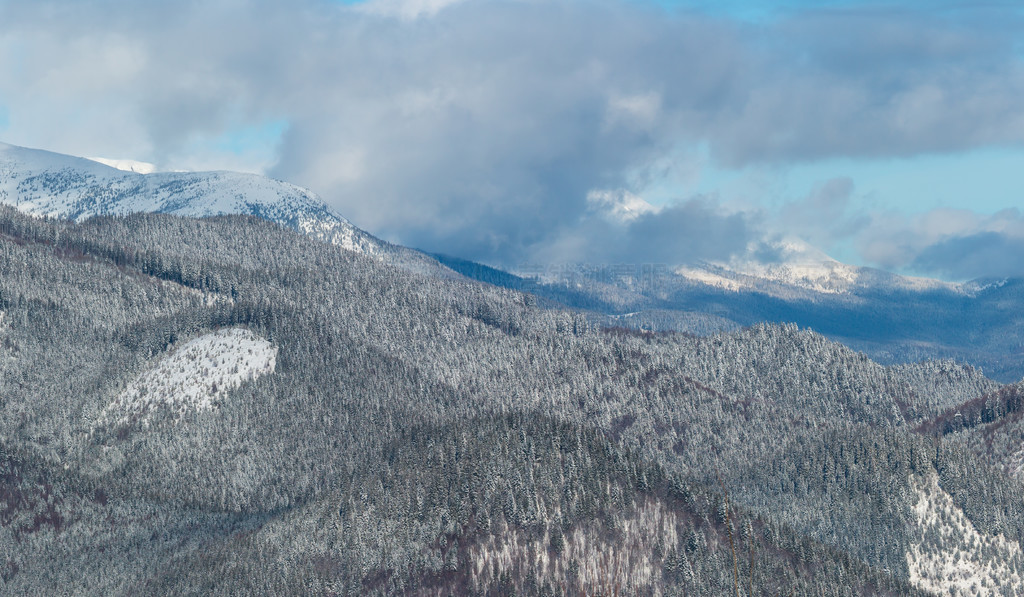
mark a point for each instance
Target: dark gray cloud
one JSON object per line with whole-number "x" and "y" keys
{"x": 690, "y": 231}
{"x": 479, "y": 128}
{"x": 878, "y": 82}
{"x": 981, "y": 255}
{"x": 947, "y": 243}
{"x": 687, "y": 231}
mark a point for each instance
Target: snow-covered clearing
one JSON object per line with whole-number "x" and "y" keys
{"x": 195, "y": 376}
{"x": 951, "y": 557}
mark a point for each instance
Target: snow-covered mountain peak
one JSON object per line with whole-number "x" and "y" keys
{"x": 44, "y": 183}
{"x": 793, "y": 263}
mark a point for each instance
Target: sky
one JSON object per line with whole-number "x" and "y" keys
{"x": 887, "y": 134}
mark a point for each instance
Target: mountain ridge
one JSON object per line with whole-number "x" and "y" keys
{"x": 45, "y": 183}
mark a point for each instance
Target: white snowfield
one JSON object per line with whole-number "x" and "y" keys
{"x": 978, "y": 564}
{"x": 195, "y": 376}
{"x": 127, "y": 165}
{"x": 43, "y": 183}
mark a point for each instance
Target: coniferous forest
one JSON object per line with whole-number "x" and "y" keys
{"x": 325, "y": 422}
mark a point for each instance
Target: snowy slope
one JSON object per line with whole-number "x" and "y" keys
{"x": 951, "y": 557}
{"x": 50, "y": 184}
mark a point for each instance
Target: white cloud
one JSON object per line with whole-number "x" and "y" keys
{"x": 342, "y": 166}
{"x": 639, "y": 111}
{"x": 405, "y": 9}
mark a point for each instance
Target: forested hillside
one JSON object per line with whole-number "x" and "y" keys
{"x": 344, "y": 426}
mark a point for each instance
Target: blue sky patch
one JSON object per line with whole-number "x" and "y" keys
{"x": 243, "y": 140}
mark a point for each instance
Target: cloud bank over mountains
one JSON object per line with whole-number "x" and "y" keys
{"x": 481, "y": 128}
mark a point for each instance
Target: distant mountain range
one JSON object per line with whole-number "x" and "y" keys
{"x": 892, "y": 318}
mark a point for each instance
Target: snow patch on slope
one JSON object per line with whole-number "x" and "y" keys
{"x": 824, "y": 277}
{"x": 6, "y": 351}
{"x": 710, "y": 278}
{"x": 1015, "y": 463}
{"x": 588, "y": 559}
{"x": 950, "y": 557}
{"x": 196, "y": 376}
